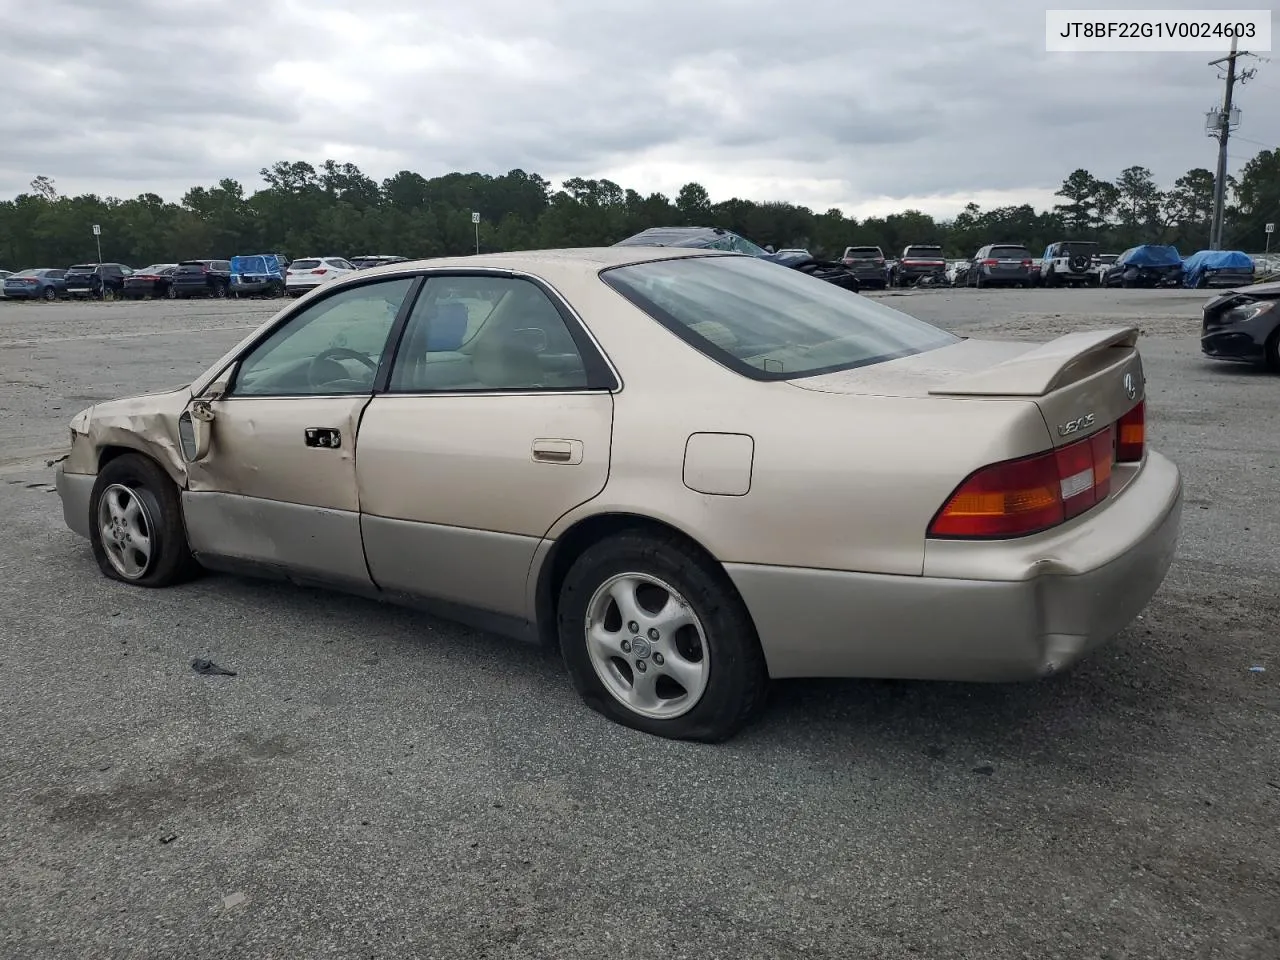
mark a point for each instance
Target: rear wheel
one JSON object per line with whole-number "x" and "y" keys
{"x": 50, "y": 294}
{"x": 655, "y": 638}
{"x": 135, "y": 524}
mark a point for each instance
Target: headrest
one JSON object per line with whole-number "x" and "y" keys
{"x": 448, "y": 328}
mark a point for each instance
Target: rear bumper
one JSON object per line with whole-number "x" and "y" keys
{"x": 75, "y": 491}
{"x": 1012, "y": 610}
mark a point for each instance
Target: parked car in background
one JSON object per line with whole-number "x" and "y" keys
{"x": 38, "y": 283}
{"x": 96, "y": 280}
{"x": 4, "y": 275}
{"x": 200, "y": 278}
{"x": 371, "y": 260}
{"x": 794, "y": 251}
{"x": 958, "y": 272}
{"x": 627, "y": 455}
{"x": 257, "y": 274}
{"x": 148, "y": 282}
{"x": 1069, "y": 263}
{"x": 919, "y": 261}
{"x": 1217, "y": 268}
{"x": 1243, "y": 325}
{"x": 718, "y": 238}
{"x": 309, "y": 272}
{"x": 1000, "y": 264}
{"x": 1100, "y": 264}
{"x": 1147, "y": 265}
{"x": 868, "y": 265}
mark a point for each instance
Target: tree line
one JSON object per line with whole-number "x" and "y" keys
{"x": 337, "y": 209}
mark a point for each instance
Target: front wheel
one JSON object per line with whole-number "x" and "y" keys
{"x": 219, "y": 291}
{"x": 135, "y": 524}
{"x": 655, "y": 638}
{"x": 172, "y": 293}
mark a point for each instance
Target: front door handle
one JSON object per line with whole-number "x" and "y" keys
{"x": 326, "y": 437}
{"x": 557, "y": 451}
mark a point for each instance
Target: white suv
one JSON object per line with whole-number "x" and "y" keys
{"x": 309, "y": 273}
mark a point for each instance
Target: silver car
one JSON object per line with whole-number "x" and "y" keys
{"x": 688, "y": 471}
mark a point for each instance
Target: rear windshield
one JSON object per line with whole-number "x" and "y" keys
{"x": 1010, "y": 253}
{"x": 28, "y": 273}
{"x": 928, "y": 253}
{"x": 864, "y": 253}
{"x": 82, "y": 268}
{"x": 304, "y": 264}
{"x": 767, "y": 322}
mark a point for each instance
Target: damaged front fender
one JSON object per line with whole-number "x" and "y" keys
{"x": 147, "y": 424}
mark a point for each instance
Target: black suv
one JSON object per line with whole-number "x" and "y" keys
{"x": 96, "y": 280}
{"x": 200, "y": 277}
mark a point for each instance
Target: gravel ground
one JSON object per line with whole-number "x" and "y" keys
{"x": 375, "y": 783}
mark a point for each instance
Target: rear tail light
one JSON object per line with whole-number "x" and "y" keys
{"x": 1026, "y": 263}
{"x": 1020, "y": 497}
{"x": 1131, "y": 439}
{"x": 989, "y": 263}
{"x": 320, "y": 270}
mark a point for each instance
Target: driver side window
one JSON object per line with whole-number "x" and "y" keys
{"x": 333, "y": 347}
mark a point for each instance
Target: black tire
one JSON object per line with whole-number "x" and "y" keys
{"x": 50, "y": 294}
{"x": 1271, "y": 351}
{"x": 172, "y": 292}
{"x": 218, "y": 292}
{"x": 170, "y": 561}
{"x": 738, "y": 681}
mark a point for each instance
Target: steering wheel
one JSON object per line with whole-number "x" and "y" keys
{"x": 333, "y": 355}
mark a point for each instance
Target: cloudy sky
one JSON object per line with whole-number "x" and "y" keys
{"x": 864, "y": 105}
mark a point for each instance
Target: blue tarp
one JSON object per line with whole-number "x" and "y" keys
{"x": 258, "y": 265}
{"x": 1196, "y": 264}
{"x": 1150, "y": 255}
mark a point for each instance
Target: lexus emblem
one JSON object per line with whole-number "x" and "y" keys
{"x": 1130, "y": 388}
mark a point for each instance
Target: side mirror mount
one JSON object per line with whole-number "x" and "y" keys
{"x": 769, "y": 248}
{"x": 195, "y": 426}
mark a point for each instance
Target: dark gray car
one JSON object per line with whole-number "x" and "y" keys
{"x": 998, "y": 264}
{"x": 867, "y": 264}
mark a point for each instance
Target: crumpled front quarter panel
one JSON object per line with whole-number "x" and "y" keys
{"x": 147, "y": 424}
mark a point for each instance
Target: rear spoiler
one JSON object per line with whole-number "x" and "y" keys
{"x": 1041, "y": 370}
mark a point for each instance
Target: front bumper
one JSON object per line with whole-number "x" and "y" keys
{"x": 75, "y": 490}
{"x": 994, "y": 611}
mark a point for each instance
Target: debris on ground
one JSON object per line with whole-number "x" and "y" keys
{"x": 210, "y": 669}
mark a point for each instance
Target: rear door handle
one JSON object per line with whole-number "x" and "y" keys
{"x": 557, "y": 451}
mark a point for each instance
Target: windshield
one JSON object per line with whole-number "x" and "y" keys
{"x": 304, "y": 264}
{"x": 923, "y": 253}
{"x": 768, "y": 322}
{"x": 1010, "y": 253}
{"x": 863, "y": 253}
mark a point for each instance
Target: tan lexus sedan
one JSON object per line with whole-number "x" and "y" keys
{"x": 690, "y": 471}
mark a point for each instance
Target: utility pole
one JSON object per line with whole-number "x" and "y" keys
{"x": 1223, "y": 134}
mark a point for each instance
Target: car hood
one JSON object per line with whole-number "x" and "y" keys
{"x": 1259, "y": 291}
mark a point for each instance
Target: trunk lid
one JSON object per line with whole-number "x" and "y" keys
{"x": 1082, "y": 382}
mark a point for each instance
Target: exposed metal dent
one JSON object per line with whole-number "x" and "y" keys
{"x": 148, "y": 424}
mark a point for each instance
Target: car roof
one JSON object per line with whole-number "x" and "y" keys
{"x": 588, "y": 258}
